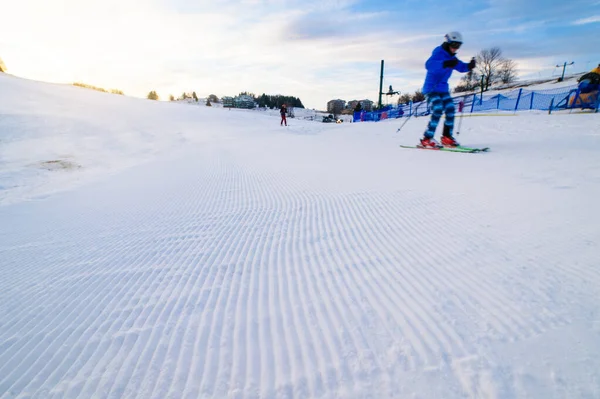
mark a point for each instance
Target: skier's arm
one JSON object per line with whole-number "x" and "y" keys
{"x": 435, "y": 62}
{"x": 462, "y": 66}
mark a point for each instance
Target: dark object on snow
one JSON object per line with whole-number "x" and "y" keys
{"x": 331, "y": 119}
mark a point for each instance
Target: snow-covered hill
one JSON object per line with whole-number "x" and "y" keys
{"x": 157, "y": 250}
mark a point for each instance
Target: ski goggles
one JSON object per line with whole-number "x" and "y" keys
{"x": 455, "y": 44}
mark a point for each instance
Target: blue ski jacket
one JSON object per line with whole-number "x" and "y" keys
{"x": 437, "y": 77}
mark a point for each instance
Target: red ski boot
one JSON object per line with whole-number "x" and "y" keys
{"x": 448, "y": 141}
{"x": 429, "y": 143}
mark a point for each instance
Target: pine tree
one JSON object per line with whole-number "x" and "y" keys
{"x": 152, "y": 95}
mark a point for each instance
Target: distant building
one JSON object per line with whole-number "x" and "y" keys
{"x": 227, "y": 102}
{"x": 336, "y": 106}
{"x": 367, "y": 105}
{"x": 244, "y": 101}
{"x": 352, "y": 104}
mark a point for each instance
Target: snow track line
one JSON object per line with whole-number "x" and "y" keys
{"x": 242, "y": 280}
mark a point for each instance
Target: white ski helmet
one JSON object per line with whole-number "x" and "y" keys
{"x": 454, "y": 37}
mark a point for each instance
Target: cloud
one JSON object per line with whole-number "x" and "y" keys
{"x": 315, "y": 49}
{"x": 589, "y": 20}
{"x": 550, "y": 10}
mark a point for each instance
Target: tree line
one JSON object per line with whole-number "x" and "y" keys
{"x": 277, "y": 100}
{"x": 264, "y": 100}
{"x": 87, "y": 86}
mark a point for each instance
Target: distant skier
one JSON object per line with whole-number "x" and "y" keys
{"x": 439, "y": 69}
{"x": 283, "y": 111}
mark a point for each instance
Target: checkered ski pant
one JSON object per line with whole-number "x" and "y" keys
{"x": 440, "y": 103}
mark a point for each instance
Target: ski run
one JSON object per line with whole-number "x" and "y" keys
{"x": 165, "y": 250}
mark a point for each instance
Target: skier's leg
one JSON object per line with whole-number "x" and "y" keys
{"x": 437, "y": 108}
{"x": 449, "y": 110}
{"x": 447, "y": 139}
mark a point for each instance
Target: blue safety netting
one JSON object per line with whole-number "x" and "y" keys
{"x": 516, "y": 100}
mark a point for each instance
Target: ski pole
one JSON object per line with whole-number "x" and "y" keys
{"x": 403, "y": 123}
{"x": 461, "y": 104}
{"x": 461, "y": 109}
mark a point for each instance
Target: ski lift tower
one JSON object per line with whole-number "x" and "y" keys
{"x": 390, "y": 92}
{"x": 564, "y": 66}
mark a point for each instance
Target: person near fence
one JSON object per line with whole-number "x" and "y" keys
{"x": 590, "y": 81}
{"x": 439, "y": 67}
{"x": 282, "y": 112}
{"x": 589, "y": 86}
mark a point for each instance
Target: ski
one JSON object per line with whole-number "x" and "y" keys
{"x": 466, "y": 150}
{"x": 484, "y": 149}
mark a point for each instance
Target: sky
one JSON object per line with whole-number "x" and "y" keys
{"x": 316, "y": 50}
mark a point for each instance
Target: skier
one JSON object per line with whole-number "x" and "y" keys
{"x": 283, "y": 111}
{"x": 439, "y": 69}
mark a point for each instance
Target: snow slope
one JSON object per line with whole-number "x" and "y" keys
{"x": 187, "y": 252}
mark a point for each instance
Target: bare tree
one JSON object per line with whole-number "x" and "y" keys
{"x": 404, "y": 98}
{"x": 469, "y": 82}
{"x": 418, "y": 96}
{"x": 508, "y": 71}
{"x": 489, "y": 62}
{"x": 491, "y": 68}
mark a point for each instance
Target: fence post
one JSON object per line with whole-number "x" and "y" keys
{"x": 473, "y": 102}
{"x": 531, "y": 102}
{"x": 498, "y": 103}
{"x": 551, "y": 105}
{"x": 410, "y": 104}
{"x": 518, "y": 99}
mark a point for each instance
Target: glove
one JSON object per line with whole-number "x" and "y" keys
{"x": 472, "y": 64}
{"x": 450, "y": 63}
